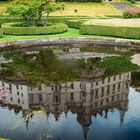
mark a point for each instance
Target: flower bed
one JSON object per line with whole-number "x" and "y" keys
{"x": 15, "y": 29}
{"x": 132, "y": 13}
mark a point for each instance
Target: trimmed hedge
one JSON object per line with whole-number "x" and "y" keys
{"x": 11, "y": 29}
{"x": 9, "y": 19}
{"x": 120, "y": 30}
{"x": 75, "y": 23}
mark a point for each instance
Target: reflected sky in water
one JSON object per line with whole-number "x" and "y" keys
{"x": 74, "y": 117}
{"x": 44, "y": 126}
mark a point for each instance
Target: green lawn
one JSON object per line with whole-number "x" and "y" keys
{"x": 85, "y": 8}
{"x": 71, "y": 33}
{"x": 3, "y": 5}
{"x": 88, "y": 9}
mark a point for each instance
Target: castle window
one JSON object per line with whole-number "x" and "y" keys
{"x": 52, "y": 87}
{"x": 96, "y": 93}
{"x": 72, "y": 86}
{"x": 96, "y": 104}
{"x": 96, "y": 83}
{"x": 128, "y": 76}
{"x": 39, "y": 88}
{"x": 40, "y": 97}
{"x": 112, "y": 98}
{"x": 113, "y": 87}
{"x": 17, "y": 86}
{"x": 101, "y": 102}
{"x": 119, "y": 86}
{"x": 102, "y": 91}
{"x": 108, "y": 89}
{"x": 108, "y": 79}
{"x": 18, "y": 100}
{"x": 80, "y": 86}
{"x": 114, "y": 78}
{"x": 32, "y": 98}
{"x": 55, "y": 87}
{"x": 120, "y": 76}
{"x": 103, "y": 81}
{"x": 10, "y": 88}
{"x": 71, "y": 96}
{"x": 60, "y": 87}
{"x": 107, "y": 100}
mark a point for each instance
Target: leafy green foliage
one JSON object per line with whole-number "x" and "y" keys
{"x": 34, "y": 10}
{"x": 135, "y": 79}
{"x": 117, "y": 64}
{"x": 43, "y": 67}
{"x": 26, "y": 9}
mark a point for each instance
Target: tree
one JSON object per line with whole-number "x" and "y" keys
{"x": 24, "y": 8}
{"x": 51, "y": 7}
{"x": 34, "y": 10}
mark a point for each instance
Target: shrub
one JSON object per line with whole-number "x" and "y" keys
{"x": 132, "y": 13}
{"x": 75, "y": 23}
{"x": 119, "y": 29}
{"x": 12, "y": 29}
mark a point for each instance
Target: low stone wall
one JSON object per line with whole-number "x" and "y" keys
{"x": 35, "y": 44}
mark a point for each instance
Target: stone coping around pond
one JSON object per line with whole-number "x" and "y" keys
{"x": 67, "y": 43}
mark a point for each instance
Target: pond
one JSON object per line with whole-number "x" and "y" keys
{"x": 69, "y": 94}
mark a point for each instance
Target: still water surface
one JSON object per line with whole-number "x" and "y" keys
{"x": 97, "y": 109}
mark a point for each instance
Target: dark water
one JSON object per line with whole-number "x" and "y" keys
{"x": 97, "y": 109}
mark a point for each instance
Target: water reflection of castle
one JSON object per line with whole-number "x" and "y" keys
{"x": 82, "y": 97}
